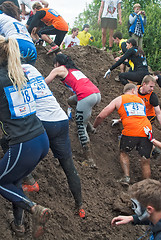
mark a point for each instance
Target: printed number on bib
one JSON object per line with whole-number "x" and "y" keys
{"x": 55, "y": 13}
{"x": 78, "y": 75}
{"x": 20, "y": 104}
{"x": 134, "y": 109}
{"x": 21, "y": 29}
{"x": 38, "y": 84}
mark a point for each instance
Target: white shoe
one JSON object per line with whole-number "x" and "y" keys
{"x": 117, "y": 79}
{"x": 103, "y": 48}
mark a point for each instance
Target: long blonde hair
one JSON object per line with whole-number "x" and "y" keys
{"x": 9, "y": 50}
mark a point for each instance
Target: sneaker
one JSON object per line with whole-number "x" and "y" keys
{"x": 89, "y": 163}
{"x": 125, "y": 180}
{"x": 117, "y": 79}
{"x": 30, "y": 188}
{"x": 40, "y": 217}
{"x": 39, "y": 42}
{"x": 81, "y": 213}
{"x": 19, "y": 230}
{"x": 103, "y": 49}
{"x": 53, "y": 49}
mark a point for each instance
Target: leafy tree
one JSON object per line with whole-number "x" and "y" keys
{"x": 151, "y": 40}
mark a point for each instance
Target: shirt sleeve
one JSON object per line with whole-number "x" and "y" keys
{"x": 159, "y": 80}
{"x": 36, "y": 19}
{"x": 123, "y": 47}
{"x": 127, "y": 55}
{"x": 154, "y": 100}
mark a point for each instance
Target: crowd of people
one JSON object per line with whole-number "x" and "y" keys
{"x": 32, "y": 120}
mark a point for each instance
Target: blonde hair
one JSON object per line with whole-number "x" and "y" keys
{"x": 9, "y": 50}
{"x": 136, "y": 5}
{"x": 129, "y": 87}
{"x": 147, "y": 79}
{"x": 37, "y": 6}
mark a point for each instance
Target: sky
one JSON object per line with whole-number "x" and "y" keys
{"x": 69, "y": 9}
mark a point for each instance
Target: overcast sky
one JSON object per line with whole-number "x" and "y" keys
{"x": 69, "y": 9}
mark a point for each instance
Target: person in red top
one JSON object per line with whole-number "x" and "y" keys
{"x": 86, "y": 96}
{"x": 131, "y": 109}
{"x": 56, "y": 25}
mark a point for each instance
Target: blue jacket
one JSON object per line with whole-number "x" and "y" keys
{"x": 132, "y": 27}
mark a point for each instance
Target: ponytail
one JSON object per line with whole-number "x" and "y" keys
{"x": 9, "y": 50}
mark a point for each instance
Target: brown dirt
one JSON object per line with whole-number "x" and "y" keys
{"x": 103, "y": 197}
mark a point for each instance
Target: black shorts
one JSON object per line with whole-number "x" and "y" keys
{"x": 110, "y": 23}
{"x": 151, "y": 119}
{"x": 142, "y": 144}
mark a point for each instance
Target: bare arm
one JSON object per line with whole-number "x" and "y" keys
{"x": 157, "y": 143}
{"x": 121, "y": 220}
{"x": 119, "y": 13}
{"x": 58, "y": 71}
{"x": 158, "y": 113}
{"x": 107, "y": 111}
{"x": 100, "y": 12}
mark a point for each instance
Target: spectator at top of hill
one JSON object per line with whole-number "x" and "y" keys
{"x": 137, "y": 23}
{"x": 118, "y": 40}
{"x": 108, "y": 10}
{"x": 56, "y": 25}
{"x": 10, "y": 26}
{"x": 84, "y": 36}
{"x": 14, "y": 1}
{"x": 71, "y": 40}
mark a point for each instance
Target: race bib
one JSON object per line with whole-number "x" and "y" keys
{"x": 134, "y": 109}
{"x": 21, "y": 29}
{"x": 55, "y": 13}
{"x": 78, "y": 75}
{"x": 21, "y": 104}
{"x": 37, "y": 82}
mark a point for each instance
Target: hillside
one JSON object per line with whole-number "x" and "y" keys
{"x": 103, "y": 197}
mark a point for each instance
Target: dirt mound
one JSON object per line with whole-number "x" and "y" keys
{"x": 103, "y": 197}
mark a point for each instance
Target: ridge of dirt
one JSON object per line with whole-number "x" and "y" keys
{"x": 103, "y": 197}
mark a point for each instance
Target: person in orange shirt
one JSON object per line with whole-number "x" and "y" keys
{"x": 55, "y": 25}
{"x": 131, "y": 109}
{"x": 145, "y": 92}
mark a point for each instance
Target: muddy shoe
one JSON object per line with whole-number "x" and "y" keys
{"x": 90, "y": 128}
{"x": 30, "y": 188}
{"x": 19, "y": 230}
{"x": 124, "y": 181}
{"x": 89, "y": 163}
{"x": 117, "y": 79}
{"x": 53, "y": 49}
{"x": 40, "y": 217}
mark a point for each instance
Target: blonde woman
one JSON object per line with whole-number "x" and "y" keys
{"x": 25, "y": 135}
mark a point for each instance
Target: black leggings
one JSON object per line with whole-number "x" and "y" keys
{"x": 50, "y": 30}
{"x": 134, "y": 76}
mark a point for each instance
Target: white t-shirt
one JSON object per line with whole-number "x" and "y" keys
{"x": 47, "y": 107}
{"x": 110, "y": 8}
{"x": 71, "y": 42}
{"x": 10, "y": 27}
{"x": 29, "y": 3}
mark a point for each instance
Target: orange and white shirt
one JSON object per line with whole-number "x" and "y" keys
{"x": 133, "y": 115}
